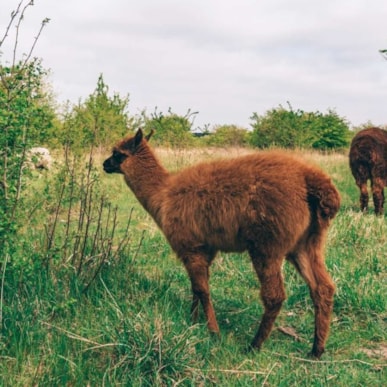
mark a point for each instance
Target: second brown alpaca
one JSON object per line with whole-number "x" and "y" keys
{"x": 271, "y": 204}
{"x": 368, "y": 161}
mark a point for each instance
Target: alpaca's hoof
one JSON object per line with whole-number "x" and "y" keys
{"x": 215, "y": 338}
{"x": 316, "y": 355}
{"x": 215, "y": 335}
{"x": 252, "y": 349}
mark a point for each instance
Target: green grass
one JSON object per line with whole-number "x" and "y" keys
{"x": 132, "y": 327}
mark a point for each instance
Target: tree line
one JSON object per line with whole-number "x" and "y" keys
{"x": 29, "y": 114}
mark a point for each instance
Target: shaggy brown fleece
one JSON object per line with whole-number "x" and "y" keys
{"x": 271, "y": 204}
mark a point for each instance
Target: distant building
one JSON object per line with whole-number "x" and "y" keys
{"x": 200, "y": 134}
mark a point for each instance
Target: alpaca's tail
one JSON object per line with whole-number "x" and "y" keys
{"x": 323, "y": 196}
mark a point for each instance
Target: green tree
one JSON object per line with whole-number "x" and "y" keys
{"x": 27, "y": 113}
{"x": 171, "y": 129}
{"x": 26, "y": 119}
{"x": 228, "y": 135}
{"x": 98, "y": 121}
{"x": 331, "y": 131}
{"x": 296, "y": 128}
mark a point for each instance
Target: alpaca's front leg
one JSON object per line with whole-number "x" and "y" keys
{"x": 198, "y": 270}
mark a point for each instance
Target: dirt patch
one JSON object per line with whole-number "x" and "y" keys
{"x": 380, "y": 352}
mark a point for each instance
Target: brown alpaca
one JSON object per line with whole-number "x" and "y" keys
{"x": 271, "y": 204}
{"x": 368, "y": 161}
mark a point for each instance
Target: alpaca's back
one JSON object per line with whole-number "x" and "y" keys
{"x": 230, "y": 203}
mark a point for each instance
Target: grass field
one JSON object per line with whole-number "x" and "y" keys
{"x": 130, "y": 324}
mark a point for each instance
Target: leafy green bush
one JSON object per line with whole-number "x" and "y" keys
{"x": 97, "y": 121}
{"x": 228, "y": 135}
{"x": 171, "y": 129}
{"x": 298, "y": 129}
{"x": 26, "y": 119}
{"x": 332, "y": 131}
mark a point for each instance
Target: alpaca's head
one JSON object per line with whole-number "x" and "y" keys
{"x": 125, "y": 149}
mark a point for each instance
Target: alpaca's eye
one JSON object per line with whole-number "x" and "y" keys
{"x": 119, "y": 157}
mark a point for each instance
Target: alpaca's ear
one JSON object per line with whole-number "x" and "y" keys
{"x": 138, "y": 138}
{"x": 149, "y": 135}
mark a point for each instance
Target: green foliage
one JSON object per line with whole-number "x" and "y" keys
{"x": 332, "y": 131}
{"x": 228, "y": 135}
{"x": 79, "y": 224}
{"x": 26, "y": 119}
{"x": 28, "y": 113}
{"x": 99, "y": 121}
{"x": 298, "y": 129}
{"x": 171, "y": 129}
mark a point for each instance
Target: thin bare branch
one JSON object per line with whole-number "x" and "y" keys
{"x": 238, "y": 372}
{"x": 44, "y": 22}
{"x": 13, "y": 17}
{"x": 21, "y": 17}
{"x": 69, "y": 334}
{"x": 268, "y": 374}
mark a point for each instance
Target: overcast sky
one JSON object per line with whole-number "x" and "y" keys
{"x": 225, "y": 59}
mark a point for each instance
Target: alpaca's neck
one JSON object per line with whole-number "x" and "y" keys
{"x": 146, "y": 179}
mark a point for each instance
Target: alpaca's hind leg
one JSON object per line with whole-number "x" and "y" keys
{"x": 195, "y": 308}
{"x": 198, "y": 270}
{"x": 272, "y": 295}
{"x": 309, "y": 261}
{"x": 362, "y": 174}
{"x": 378, "y": 195}
{"x": 362, "y": 184}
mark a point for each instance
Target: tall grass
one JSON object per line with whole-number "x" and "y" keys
{"x": 126, "y": 321}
